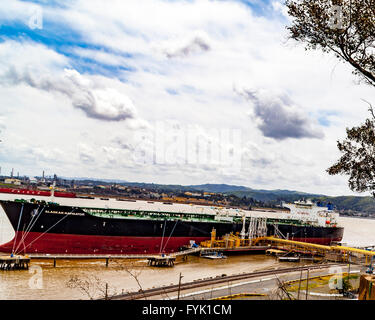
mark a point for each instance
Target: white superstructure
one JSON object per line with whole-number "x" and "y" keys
{"x": 309, "y": 212}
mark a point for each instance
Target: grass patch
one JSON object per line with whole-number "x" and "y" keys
{"x": 320, "y": 281}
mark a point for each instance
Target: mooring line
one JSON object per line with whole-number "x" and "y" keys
{"x": 162, "y": 238}
{"x": 28, "y": 229}
{"x": 30, "y": 222}
{"x": 66, "y": 215}
{"x": 18, "y": 225}
{"x": 170, "y": 235}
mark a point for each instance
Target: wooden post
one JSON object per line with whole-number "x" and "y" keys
{"x": 54, "y": 262}
{"x": 106, "y": 262}
{"x": 179, "y": 286}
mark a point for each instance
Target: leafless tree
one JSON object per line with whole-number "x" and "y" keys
{"x": 91, "y": 286}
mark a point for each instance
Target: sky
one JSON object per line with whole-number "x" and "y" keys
{"x": 171, "y": 92}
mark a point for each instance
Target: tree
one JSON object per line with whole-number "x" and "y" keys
{"x": 347, "y": 29}
{"x": 95, "y": 288}
{"x": 89, "y": 285}
{"x": 344, "y": 27}
{"x": 358, "y": 159}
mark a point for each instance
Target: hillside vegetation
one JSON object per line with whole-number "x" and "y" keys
{"x": 346, "y": 204}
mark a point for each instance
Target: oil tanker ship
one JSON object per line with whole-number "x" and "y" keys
{"x": 47, "y": 227}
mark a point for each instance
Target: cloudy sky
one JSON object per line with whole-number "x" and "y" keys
{"x": 180, "y": 92}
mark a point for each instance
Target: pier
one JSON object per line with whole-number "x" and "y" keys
{"x": 14, "y": 262}
{"x": 160, "y": 259}
{"x": 334, "y": 253}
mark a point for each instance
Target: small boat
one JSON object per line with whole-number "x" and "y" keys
{"x": 85, "y": 197}
{"x": 213, "y": 255}
{"x": 289, "y": 259}
{"x": 128, "y": 200}
{"x": 104, "y": 198}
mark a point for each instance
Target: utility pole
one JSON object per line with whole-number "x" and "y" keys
{"x": 179, "y": 286}
{"x": 283, "y": 289}
{"x": 349, "y": 270}
{"x": 307, "y": 285}
{"x": 299, "y": 287}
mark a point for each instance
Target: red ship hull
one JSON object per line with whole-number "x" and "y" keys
{"x": 36, "y": 242}
{"x": 38, "y": 192}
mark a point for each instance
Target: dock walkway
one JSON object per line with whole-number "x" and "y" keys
{"x": 110, "y": 256}
{"x": 160, "y": 259}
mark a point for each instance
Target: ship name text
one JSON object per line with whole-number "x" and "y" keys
{"x": 65, "y": 212}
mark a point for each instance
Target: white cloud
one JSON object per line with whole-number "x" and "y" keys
{"x": 20, "y": 11}
{"x": 86, "y": 153}
{"x": 100, "y": 56}
{"x": 2, "y": 123}
{"x": 279, "y": 6}
{"x": 98, "y": 103}
{"x": 30, "y": 57}
{"x": 278, "y": 117}
{"x": 181, "y": 47}
{"x": 215, "y": 45}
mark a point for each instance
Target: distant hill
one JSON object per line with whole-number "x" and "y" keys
{"x": 364, "y": 204}
{"x": 274, "y": 196}
{"x": 218, "y": 188}
{"x": 352, "y": 203}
